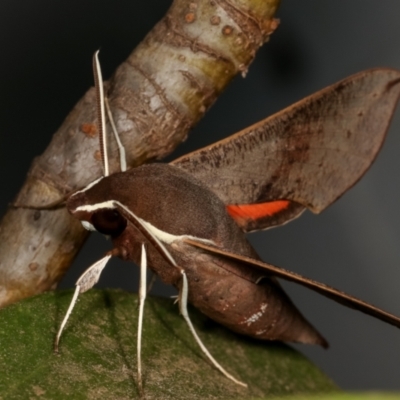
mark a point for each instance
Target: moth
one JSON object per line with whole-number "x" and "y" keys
{"x": 187, "y": 220}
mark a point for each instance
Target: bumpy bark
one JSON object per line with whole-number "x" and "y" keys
{"x": 163, "y": 88}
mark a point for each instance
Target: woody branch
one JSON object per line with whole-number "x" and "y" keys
{"x": 157, "y": 95}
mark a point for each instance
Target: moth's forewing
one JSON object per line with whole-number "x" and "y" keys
{"x": 309, "y": 153}
{"x": 325, "y": 290}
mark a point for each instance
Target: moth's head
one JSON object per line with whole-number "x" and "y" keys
{"x": 96, "y": 213}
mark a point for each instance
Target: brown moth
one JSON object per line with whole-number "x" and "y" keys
{"x": 187, "y": 220}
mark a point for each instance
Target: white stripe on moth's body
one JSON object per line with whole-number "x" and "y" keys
{"x": 157, "y": 234}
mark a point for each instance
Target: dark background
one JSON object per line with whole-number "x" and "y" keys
{"x": 45, "y": 67}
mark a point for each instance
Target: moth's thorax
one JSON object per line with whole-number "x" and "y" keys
{"x": 164, "y": 196}
{"x": 161, "y": 194}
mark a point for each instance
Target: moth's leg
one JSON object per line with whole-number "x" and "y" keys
{"x": 68, "y": 313}
{"x": 156, "y": 241}
{"x": 121, "y": 148}
{"x": 151, "y": 283}
{"x": 183, "y": 308}
{"x": 142, "y": 298}
{"x": 87, "y": 280}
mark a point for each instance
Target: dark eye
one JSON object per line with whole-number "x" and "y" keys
{"x": 109, "y": 222}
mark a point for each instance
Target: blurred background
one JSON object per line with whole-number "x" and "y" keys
{"x": 45, "y": 52}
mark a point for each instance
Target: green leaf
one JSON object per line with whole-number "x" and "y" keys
{"x": 98, "y": 353}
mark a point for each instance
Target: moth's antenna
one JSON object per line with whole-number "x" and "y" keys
{"x": 121, "y": 148}
{"x": 101, "y": 114}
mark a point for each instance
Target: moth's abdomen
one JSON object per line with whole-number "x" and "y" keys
{"x": 262, "y": 311}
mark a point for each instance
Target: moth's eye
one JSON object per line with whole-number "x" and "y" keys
{"x": 109, "y": 222}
